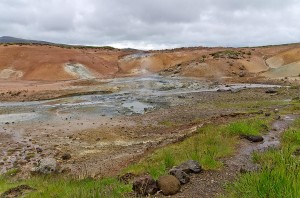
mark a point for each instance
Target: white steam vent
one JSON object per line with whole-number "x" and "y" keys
{"x": 79, "y": 70}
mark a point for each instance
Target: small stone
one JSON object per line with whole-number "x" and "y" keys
{"x": 278, "y": 117}
{"x": 253, "y": 138}
{"x": 169, "y": 185}
{"x": 297, "y": 152}
{"x": 271, "y": 91}
{"x": 39, "y": 150}
{"x": 242, "y": 74}
{"x": 66, "y": 156}
{"x": 267, "y": 114}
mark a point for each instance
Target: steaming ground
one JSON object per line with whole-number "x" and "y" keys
{"x": 106, "y": 130}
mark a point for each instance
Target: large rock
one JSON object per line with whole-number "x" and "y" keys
{"x": 180, "y": 175}
{"x": 168, "y": 184}
{"x": 190, "y": 166}
{"x": 145, "y": 185}
{"x": 46, "y": 166}
{"x": 253, "y": 138}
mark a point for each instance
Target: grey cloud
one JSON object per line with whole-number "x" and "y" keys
{"x": 153, "y": 24}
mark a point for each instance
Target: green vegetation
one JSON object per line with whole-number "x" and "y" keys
{"x": 227, "y": 54}
{"x": 58, "y": 186}
{"x": 61, "y": 46}
{"x": 280, "y": 174}
{"x": 209, "y": 145}
{"x": 247, "y": 127}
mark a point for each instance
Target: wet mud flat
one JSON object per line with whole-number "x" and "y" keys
{"x": 105, "y": 132}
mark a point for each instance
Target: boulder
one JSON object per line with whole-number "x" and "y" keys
{"x": 180, "y": 175}
{"x": 45, "y": 166}
{"x": 253, "y": 138}
{"x": 145, "y": 185}
{"x": 190, "y": 166}
{"x": 168, "y": 184}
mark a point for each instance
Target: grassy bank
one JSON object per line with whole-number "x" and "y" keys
{"x": 211, "y": 143}
{"x": 280, "y": 174}
{"x": 59, "y": 186}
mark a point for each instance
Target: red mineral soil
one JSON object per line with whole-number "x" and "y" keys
{"x": 44, "y": 68}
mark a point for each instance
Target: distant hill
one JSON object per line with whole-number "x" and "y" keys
{"x": 8, "y": 39}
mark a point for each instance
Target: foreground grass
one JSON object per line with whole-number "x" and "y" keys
{"x": 58, "y": 186}
{"x": 280, "y": 174}
{"x": 209, "y": 145}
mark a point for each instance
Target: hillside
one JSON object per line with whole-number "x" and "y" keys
{"x": 56, "y": 63}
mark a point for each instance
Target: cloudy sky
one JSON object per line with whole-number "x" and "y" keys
{"x": 153, "y": 23}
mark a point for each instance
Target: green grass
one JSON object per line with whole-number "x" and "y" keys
{"x": 209, "y": 145}
{"x": 280, "y": 174}
{"x": 58, "y": 186}
{"x": 247, "y": 127}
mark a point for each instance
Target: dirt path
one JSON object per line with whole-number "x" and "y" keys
{"x": 211, "y": 183}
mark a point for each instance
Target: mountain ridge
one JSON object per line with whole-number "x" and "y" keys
{"x": 10, "y": 39}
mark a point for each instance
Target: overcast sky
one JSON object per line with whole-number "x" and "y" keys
{"x": 153, "y": 23}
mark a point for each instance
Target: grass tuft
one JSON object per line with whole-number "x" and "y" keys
{"x": 247, "y": 127}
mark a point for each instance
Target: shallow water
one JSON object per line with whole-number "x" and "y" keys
{"x": 16, "y": 117}
{"x": 136, "y": 95}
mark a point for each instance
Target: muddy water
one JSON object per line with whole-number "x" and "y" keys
{"x": 133, "y": 96}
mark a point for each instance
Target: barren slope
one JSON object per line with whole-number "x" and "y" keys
{"x": 53, "y": 63}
